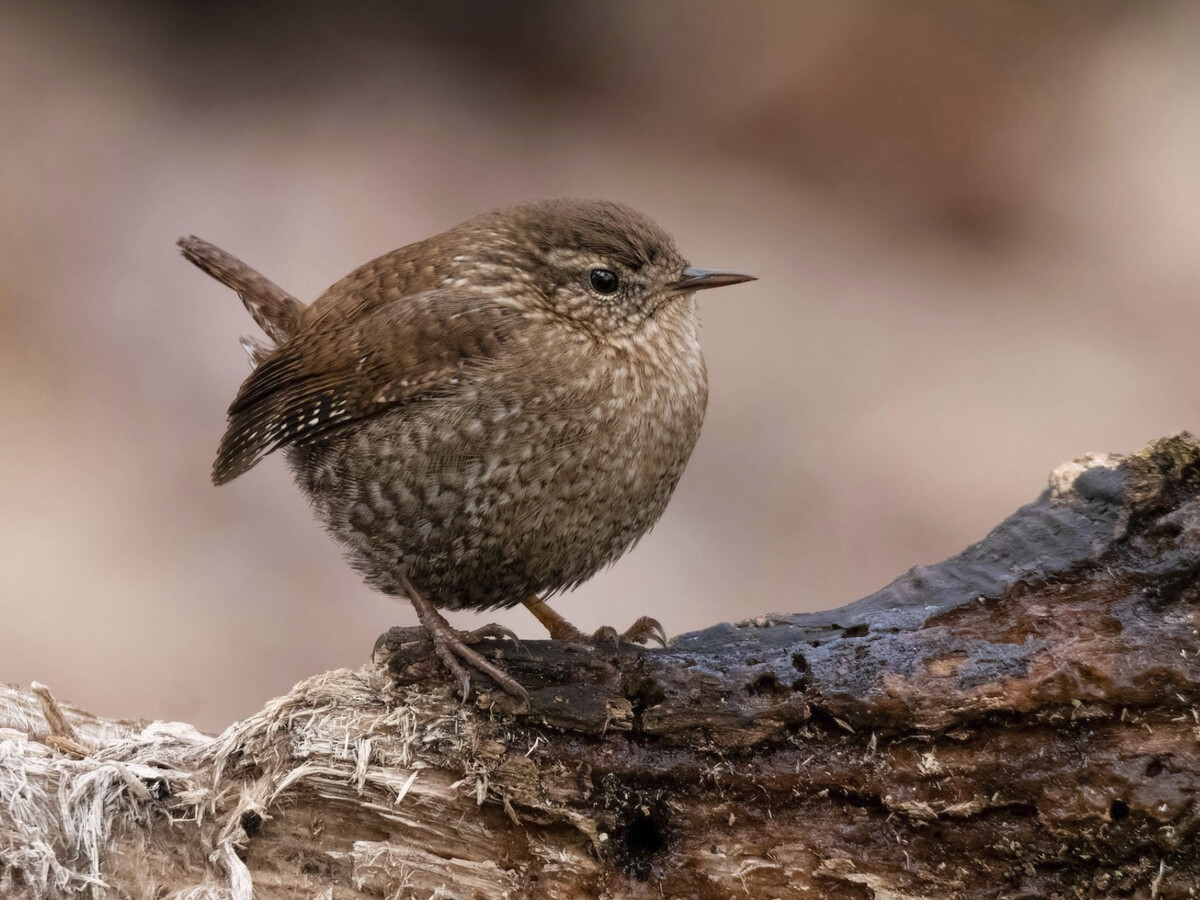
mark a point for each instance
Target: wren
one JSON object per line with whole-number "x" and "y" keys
{"x": 485, "y": 417}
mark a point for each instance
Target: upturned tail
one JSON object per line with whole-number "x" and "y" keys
{"x": 275, "y": 310}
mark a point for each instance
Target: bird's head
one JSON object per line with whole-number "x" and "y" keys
{"x": 600, "y": 266}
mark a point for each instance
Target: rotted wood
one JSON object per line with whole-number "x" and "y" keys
{"x": 1019, "y": 721}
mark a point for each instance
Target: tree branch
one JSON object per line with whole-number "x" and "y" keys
{"x": 1020, "y": 720}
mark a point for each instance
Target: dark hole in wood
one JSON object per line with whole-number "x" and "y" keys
{"x": 251, "y": 822}
{"x": 1119, "y": 810}
{"x": 641, "y": 841}
{"x": 159, "y": 788}
{"x": 644, "y": 839}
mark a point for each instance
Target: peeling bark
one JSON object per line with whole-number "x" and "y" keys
{"x": 1021, "y": 720}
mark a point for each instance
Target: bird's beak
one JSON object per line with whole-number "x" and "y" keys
{"x": 698, "y": 279}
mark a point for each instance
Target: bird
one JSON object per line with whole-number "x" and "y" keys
{"x": 486, "y": 417}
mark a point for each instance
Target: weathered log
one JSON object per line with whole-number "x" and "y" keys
{"x": 1021, "y": 720}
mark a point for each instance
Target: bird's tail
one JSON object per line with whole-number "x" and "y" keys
{"x": 275, "y": 310}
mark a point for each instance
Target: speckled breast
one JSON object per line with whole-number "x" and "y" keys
{"x": 521, "y": 482}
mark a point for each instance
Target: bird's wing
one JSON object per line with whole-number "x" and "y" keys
{"x": 341, "y": 369}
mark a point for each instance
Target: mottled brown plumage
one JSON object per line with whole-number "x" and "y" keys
{"x": 491, "y": 414}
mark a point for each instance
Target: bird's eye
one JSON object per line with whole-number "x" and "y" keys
{"x": 604, "y": 281}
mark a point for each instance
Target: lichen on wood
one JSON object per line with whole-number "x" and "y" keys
{"x": 1021, "y": 720}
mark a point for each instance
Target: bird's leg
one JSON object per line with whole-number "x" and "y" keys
{"x": 560, "y": 629}
{"x": 640, "y": 632}
{"x": 451, "y": 645}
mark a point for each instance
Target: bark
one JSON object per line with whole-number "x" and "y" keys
{"x": 1020, "y": 720}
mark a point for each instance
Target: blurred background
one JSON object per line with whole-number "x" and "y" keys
{"x": 977, "y": 228}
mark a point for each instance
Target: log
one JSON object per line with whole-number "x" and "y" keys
{"x": 1019, "y": 721}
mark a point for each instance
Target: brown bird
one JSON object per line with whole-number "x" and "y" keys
{"x": 485, "y": 417}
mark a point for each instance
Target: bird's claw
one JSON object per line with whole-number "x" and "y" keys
{"x": 491, "y": 630}
{"x": 452, "y": 648}
{"x": 644, "y": 630}
{"x": 640, "y": 632}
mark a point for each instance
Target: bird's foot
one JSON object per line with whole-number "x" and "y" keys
{"x": 642, "y": 631}
{"x": 491, "y": 630}
{"x": 453, "y": 647}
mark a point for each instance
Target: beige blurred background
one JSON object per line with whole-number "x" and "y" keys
{"x": 977, "y": 227}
